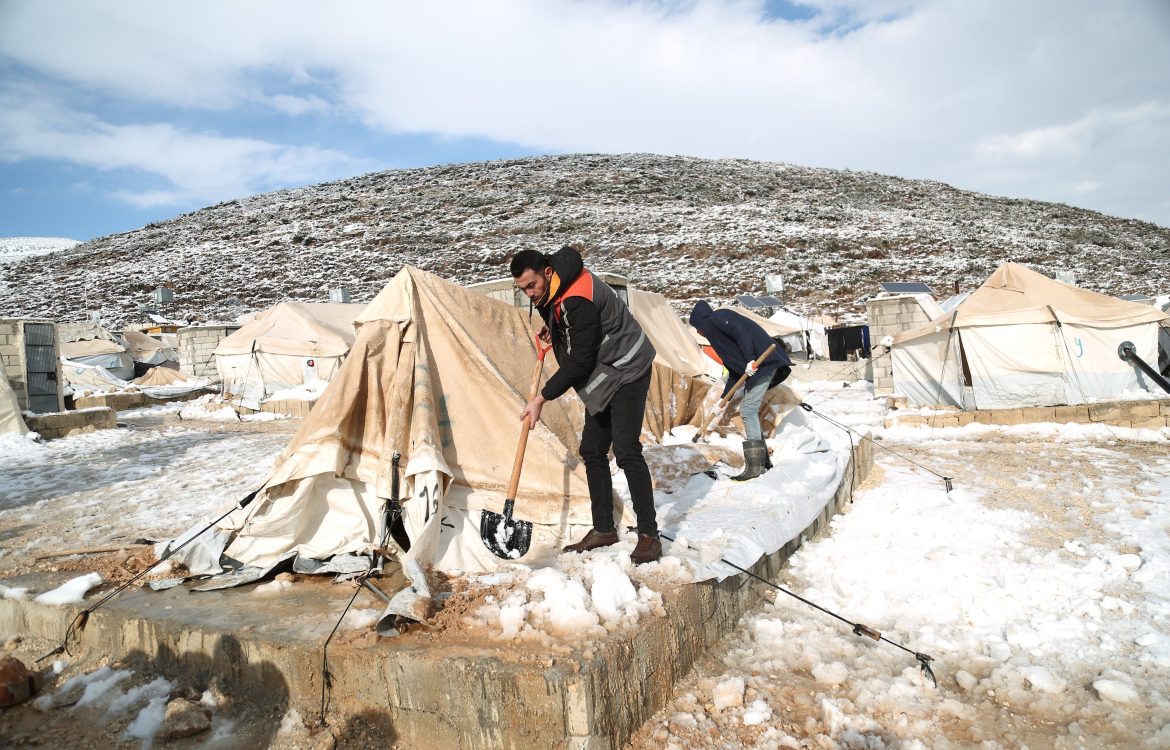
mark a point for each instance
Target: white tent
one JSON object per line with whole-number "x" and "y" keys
{"x": 10, "y": 419}
{"x": 91, "y": 344}
{"x": 292, "y": 344}
{"x": 809, "y": 335}
{"x": 1023, "y": 339}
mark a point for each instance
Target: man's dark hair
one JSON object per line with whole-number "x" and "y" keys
{"x": 528, "y": 260}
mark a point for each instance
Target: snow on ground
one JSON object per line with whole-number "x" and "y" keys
{"x": 151, "y": 479}
{"x": 1040, "y": 585}
{"x": 15, "y": 248}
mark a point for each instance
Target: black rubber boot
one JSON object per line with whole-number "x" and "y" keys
{"x": 755, "y": 460}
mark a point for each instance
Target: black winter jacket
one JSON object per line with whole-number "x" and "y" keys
{"x": 738, "y": 341}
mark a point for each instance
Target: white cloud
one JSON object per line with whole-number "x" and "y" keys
{"x": 195, "y": 166}
{"x": 977, "y": 94}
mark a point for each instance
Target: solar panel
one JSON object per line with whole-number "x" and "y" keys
{"x": 769, "y": 301}
{"x": 749, "y": 301}
{"x": 902, "y": 287}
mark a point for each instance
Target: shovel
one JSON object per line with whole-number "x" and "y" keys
{"x": 723, "y": 402}
{"x": 503, "y": 535}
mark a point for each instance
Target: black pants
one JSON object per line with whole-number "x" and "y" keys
{"x": 619, "y": 425}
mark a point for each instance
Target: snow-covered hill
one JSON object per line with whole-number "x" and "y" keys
{"x": 685, "y": 227}
{"x": 15, "y": 248}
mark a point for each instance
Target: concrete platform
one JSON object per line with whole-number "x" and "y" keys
{"x": 436, "y": 692}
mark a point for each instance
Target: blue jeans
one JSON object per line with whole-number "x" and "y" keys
{"x": 749, "y": 408}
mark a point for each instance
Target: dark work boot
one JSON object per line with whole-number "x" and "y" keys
{"x": 648, "y": 549}
{"x": 755, "y": 460}
{"x": 593, "y": 540}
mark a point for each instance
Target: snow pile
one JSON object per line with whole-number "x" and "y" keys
{"x": 208, "y": 409}
{"x": 99, "y": 694}
{"x": 550, "y": 606}
{"x": 211, "y": 408}
{"x": 71, "y": 592}
{"x": 304, "y": 392}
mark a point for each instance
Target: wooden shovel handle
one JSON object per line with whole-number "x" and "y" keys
{"x": 723, "y": 402}
{"x": 526, "y": 427}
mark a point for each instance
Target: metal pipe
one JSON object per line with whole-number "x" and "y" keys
{"x": 1128, "y": 352}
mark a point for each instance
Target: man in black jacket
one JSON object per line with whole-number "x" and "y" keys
{"x": 739, "y": 342}
{"x": 605, "y": 356}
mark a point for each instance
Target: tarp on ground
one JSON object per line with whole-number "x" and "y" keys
{"x": 10, "y": 420}
{"x": 1023, "y": 339}
{"x": 289, "y": 345}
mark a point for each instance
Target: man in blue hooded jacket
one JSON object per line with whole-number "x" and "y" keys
{"x": 739, "y": 342}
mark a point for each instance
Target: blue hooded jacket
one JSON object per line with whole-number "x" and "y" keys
{"x": 738, "y": 341}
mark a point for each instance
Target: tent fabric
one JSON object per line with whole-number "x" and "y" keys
{"x": 672, "y": 338}
{"x": 161, "y": 376}
{"x": 809, "y": 333}
{"x": 771, "y": 327}
{"x": 91, "y": 344}
{"x": 10, "y": 420}
{"x": 1023, "y": 339}
{"x": 147, "y": 349}
{"x": 305, "y": 329}
{"x": 288, "y": 345}
{"x": 439, "y": 375}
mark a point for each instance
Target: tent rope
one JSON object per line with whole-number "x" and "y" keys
{"x": 78, "y": 622}
{"x": 947, "y": 481}
{"x": 858, "y": 628}
{"x": 326, "y": 675}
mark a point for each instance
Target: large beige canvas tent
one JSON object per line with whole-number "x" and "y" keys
{"x": 1023, "y": 339}
{"x": 434, "y": 385}
{"x": 289, "y": 345}
{"x": 437, "y": 375}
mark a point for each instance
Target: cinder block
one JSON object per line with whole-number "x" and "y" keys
{"x": 1106, "y": 412}
{"x": 1143, "y": 409}
{"x": 1151, "y": 423}
{"x": 1039, "y": 414}
{"x": 945, "y": 420}
{"x": 1007, "y": 416}
{"x": 965, "y": 418}
{"x": 1071, "y": 414}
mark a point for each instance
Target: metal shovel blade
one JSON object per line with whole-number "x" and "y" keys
{"x": 506, "y": 537}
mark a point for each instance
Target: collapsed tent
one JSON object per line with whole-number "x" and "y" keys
{"x": 10, "y": 420}
{"x": 1023, "y": 339}
{"x": 91, "y": 344}
{"x": 287, "y": 346}
{"x": 149, "y": 351}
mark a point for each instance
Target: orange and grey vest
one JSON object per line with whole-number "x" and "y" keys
{"x": 625, "y": 352}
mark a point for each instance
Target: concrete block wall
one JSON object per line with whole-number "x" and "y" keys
{"x": 195, "y": 347}
{"x": 888, "y": 316}
{"x": 50, "y": 426}
{"x": 14, "y": 360}
{"x": 1152, "y": 415}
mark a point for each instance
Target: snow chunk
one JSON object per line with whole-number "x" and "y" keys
{"x": 1042, "y": 679}
{"x": 757, "y": 713}
{"x": 728, "y": 693}
{"x": 830, "y": 674}
{"x": 71, "y": 592}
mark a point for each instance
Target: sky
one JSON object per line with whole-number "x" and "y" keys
{"x": 116, "y": 114}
